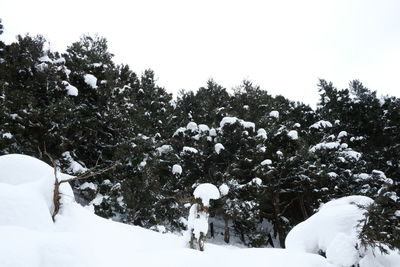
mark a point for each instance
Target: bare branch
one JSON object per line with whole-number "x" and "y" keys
{"x": 89, "y": 174}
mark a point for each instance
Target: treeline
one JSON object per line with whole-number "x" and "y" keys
{"x": 276, "y": 161}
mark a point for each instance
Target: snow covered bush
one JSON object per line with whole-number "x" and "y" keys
{"x": 198, "y": 213}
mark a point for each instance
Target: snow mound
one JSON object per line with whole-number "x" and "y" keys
{"x": 334, "y": 230}
{"x": 206, "y": 192}
{"x": 339, "y": 216}
{"x": 26, "y": 191}
{"x": 16, "y": 169}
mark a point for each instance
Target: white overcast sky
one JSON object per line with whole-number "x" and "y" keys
{"x": 283, "y": 46}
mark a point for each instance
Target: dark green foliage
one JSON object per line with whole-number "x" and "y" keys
{"x": 381, "y": 227}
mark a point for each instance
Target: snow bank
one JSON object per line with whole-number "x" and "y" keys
{"x": 334, "y": 230}
{"x": 79, "y": 238}
{"x": 335, "y": 217}
{"x": 26, "y": 188}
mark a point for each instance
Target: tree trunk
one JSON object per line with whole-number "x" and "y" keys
{"x": 202, "y": 239}
{"x": 303, "y": 207}
{"x": 278, "y": 222}
{"x": 226, "y": 231}
{"x": 212, "y": 230}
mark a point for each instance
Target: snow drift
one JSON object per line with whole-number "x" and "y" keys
{"x": 79, "y": 238}
{"x": 334, "y": 230}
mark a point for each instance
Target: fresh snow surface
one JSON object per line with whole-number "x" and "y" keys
{"x": 334, "y": 229}
{"x": 90, "y": 80}
{"x": 274, "y": 114}
{"x": 206, "y": 192}
{"x": 79, "y": 238}
{"x": 218, "y": 147}
{"x": 177, "y": 169}
{"x": 293, "y": 135}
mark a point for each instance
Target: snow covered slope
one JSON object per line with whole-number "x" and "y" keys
{"x": 80, "y": 238}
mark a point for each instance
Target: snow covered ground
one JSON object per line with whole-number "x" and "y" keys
{"x": 28, "y": 236}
